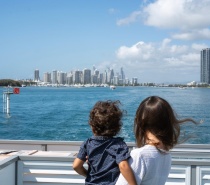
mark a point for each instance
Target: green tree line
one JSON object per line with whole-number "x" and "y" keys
{"x": 9, "y": 82}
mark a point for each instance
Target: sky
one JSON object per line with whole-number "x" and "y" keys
{"x": 156, "y": 41}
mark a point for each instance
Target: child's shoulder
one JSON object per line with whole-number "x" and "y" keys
{"x": 118, "y": 139}
{"x": 119, "y": 142}
{"x": 144, "y": 150}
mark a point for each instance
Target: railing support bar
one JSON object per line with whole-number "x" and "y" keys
{"x": 193, "y": 175}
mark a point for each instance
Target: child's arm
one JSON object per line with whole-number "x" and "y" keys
{"x": 127, "y": 172}
{"x": 79, "y": 168}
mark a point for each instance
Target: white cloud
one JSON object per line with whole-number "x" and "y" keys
{"x": 165, "y": 43}
{"x": 192, "y": 59}
{"x": 142, "y": 52}
{"x": 173, "y": 62}
{"x": 178, "y": 49}
{"x": 159, "y": 62}
{"x": 199, "y": 47}
{"x": 193, "y": 35}
{"x": 133, "y": 17}
{"x": 139, "y": 50}
{"x": 186, "y": 20}
{"x": 184, "y": 14}
{"x": 188, "y": 17}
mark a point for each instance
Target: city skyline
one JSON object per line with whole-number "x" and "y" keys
{"x": 85, "y": 76}
{"x": 154, "y": 46}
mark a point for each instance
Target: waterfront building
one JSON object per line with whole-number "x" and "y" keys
{"x": 205, "y": 66}
{"x": 77, "y": 77}
{"x": 69, "y": 78}
{"x": 127, "y": 81}
{"x": 134, "y": 81}
{"x": 54, "y": 77}
{"x": 193, "y": 83}
{"x": 105, "y": 77}
{"x": 95, "y": 76}
{"x": 122, "y": 77}
{"x": 36, "y": 75}
{"x": 61, "y": 77}
{"x": 96, "y": 72}
{"x": 94, "y": 68}
{"x": 47, "y": 77}
{"x": 94, "y": 79}
{"x": 100, "y": 78}
{"x": 110, "y": 76}
{"x": 120, "y": 82}
{"x": 86, "y": 76}
{"x": 116, "y": 80}
{"x": 122, "y": 74}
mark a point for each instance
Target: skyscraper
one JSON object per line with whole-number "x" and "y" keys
{"x": 54, "y": 77}
{"x": 36, "y": 75}
{"x": 61, "y": 77}
{"x": 69, "y": 78}
{"x": 86, "y": 76}
{"x": 104, "y": 77}
{"x": 205, "y": 66}
{"x": 122, "y": 74}
{"x": 77, "y": 77}
{"x": 47, "y": 77}
{"x": 110, "y": 76}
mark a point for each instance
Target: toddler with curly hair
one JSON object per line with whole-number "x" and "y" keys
{"x": 107, "y": 155}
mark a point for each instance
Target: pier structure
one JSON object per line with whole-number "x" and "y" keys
{"x": 6, "y": 99}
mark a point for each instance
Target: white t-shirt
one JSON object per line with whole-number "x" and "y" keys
{"x": 150, "y": 166}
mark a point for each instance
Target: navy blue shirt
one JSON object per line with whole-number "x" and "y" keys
{"x": 104, "y": 155}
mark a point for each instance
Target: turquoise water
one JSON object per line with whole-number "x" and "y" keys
{"x": 46, "y": 113}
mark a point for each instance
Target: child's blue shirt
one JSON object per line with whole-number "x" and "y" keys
{"x": 104, "y": 154}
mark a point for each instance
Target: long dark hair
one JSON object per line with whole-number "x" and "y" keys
{"x": 155, "y": 115}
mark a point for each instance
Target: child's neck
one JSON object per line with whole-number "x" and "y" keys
{"x": 151, "y": 139}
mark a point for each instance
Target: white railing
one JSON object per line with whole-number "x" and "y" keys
{"x": 44, "y": 166}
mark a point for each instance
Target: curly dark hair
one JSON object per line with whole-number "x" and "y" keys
{"x": 156, "y": 115}
{"x": 105, "y": 118}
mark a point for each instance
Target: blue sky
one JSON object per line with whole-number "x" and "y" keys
{"x": 156, "y": 41}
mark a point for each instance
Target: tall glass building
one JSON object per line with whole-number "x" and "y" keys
{"x": 86, "y": 76}
{"x": 36, "y": 75}
{"x": 205, "y": 66}
{"x": 54, "y": 77}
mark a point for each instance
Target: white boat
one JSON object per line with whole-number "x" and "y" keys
{"x": 112, "y": 87}
{"x": 181, "y": 87}
{"x": 78, "y": 85}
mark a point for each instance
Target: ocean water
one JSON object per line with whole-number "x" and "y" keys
{"x": 61, "y": 114}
